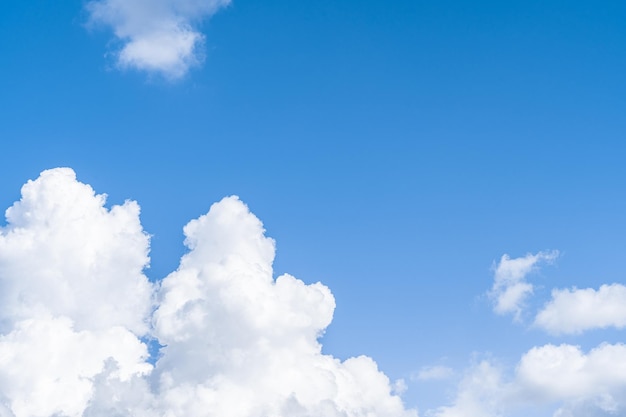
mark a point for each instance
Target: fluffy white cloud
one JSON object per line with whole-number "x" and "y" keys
{"x": 72, "y": 296}
{"x": 510, "y": 288}
{"x": 63, "y": 253}
{"x": 156, "y": 35}
{"x": 564, "y": 378}
{"x": 577, "y": 310}
{"x": 258, "y": 335}
{"x": 46, "y": 366}
{"x": 238, "y": 342}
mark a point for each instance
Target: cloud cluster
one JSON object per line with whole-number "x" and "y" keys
{"x": 582, "y": 384}
{"x": 569, "y": 311}
{"x": 510, "y": 288}
{"x": 559, "y": 377}
{"x": 157, "y": 36}
{"x": 76, "y": 310}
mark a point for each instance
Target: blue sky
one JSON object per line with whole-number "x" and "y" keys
{"x": 394, "y": 150}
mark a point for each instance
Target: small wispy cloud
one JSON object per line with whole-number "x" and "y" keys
{"x": 433, "y": 373}
{"x": 156, "y": 36}
{"x": 510, "y": 288}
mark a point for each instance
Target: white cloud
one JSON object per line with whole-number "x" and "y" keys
{"x": 72, "y": 296}
{"x": 46, "y": 366}
{"x": 62, "y": 250}
{"x": 510, "y": 288}
{"x": 258, "y": 335}
{"x": 577, "y": 310}
{"x": 238, "y": 342}
{"x": 159, "y": 36}
{"x": 564, "y": 378}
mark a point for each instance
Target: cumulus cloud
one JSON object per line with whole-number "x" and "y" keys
{"x": 76, "y": 309}
{"x": 157, "y": 36}
{"x": 571, "y": 382}
{"x": 575, "y": 310}
{"x": 510, "y": 288}
{"x": 72, "y": 296}
{"x": 63, "y": 254}
{"x": 258, "y": 335}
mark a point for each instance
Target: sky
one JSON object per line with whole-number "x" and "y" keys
{"x": 312, "y": 208}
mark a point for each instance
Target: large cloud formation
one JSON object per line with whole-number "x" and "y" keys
{"x": 76, "y": 310}
{"x": 157, "y": 36}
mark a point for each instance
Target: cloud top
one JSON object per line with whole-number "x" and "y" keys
{"x": 156, "y": 36}
{"x": 76, "y": 309}
{"x": 63, "y": 253}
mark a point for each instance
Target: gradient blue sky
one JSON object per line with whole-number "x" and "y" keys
{"x": 394, "y": 150}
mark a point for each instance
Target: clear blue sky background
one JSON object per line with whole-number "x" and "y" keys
{"x": 394, "y": 150}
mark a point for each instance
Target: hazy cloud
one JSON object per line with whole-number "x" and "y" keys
{"x": 237, "y": 342}
{"x": 157, "y": 36}
{"x": 576, "y": 310}
{"x": 430, "y": 373}
{"x": 510, "y": 288}
{"x": 480, "y": 393}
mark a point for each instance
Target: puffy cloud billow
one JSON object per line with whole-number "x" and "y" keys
{"x": 157, "y": 36}
{"x": 76, "y": 310}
